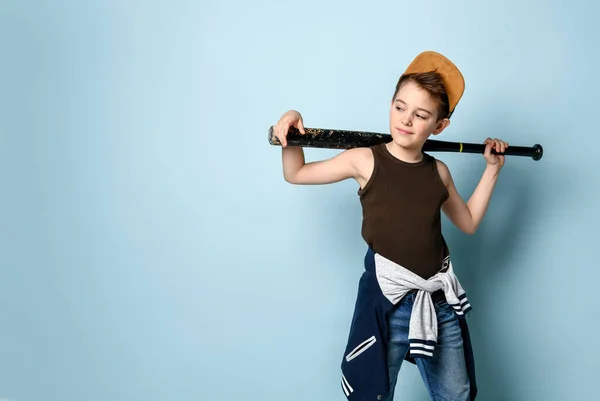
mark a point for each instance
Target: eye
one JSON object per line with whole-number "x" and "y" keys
{"x": 421, "y": 117}
{"x": 399, "y": 108}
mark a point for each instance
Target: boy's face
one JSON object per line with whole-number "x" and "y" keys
{"x": 414, "y": 117}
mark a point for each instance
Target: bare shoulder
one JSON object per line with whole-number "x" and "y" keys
{"x": 362, "y": 154}
{"x": 444, "y": 172}
{"x": 363, "y": 161}
{"x": 356, "y": 156}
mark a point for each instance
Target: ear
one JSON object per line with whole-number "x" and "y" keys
{"x": 441, "y": 125}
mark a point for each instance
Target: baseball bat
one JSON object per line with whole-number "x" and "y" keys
{"x": 346, "y": 139}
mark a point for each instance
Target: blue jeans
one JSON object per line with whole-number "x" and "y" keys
{"x": 445, "y": 375}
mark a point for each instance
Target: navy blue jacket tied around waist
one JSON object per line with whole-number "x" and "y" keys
{"x": 383, "y": 284}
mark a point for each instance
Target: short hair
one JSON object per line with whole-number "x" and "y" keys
{"x": 433, "y": 83}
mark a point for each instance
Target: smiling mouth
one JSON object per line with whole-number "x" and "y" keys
{"x": 403, "y": 132}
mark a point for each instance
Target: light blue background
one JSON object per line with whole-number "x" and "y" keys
{"x": 151, "y": 250}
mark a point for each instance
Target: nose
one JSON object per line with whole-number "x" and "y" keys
{"x": 405, "y": 119}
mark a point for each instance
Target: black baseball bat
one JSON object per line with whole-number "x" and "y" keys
{"x": 346, "y": 139}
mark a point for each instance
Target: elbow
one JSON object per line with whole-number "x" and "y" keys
{"x": 470, "y": 230}
{"x": 290, "y": 178}
{"x": 468, "y": 227}
{"x": 293, "y": 177}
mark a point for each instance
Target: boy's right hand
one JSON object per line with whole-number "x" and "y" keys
{"x": 289, "y": 119}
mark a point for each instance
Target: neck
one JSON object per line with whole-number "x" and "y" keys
{"x": 409, "y": 155}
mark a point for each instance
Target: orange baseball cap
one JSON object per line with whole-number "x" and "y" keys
{"x": 453, "y": 79}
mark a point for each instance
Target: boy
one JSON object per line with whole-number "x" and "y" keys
{"x": 410, "y": 305}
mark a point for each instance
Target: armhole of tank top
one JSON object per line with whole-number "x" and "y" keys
{"x": 363, "y": 191}
{"x": 439, "y": 179}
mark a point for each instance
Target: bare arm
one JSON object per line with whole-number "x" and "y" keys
{"x": 468, "y": 216}
{"x": 337, "y": 168}
{"x": 297, "y": 171}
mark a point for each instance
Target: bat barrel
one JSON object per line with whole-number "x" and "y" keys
{"x": 330, "y": 139}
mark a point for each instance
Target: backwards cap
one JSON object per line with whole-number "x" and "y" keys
{"x": 453, "y": 79}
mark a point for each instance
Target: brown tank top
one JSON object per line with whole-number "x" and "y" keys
{"x": 401, "y": 212}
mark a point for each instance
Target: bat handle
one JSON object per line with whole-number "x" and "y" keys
{"x": 538, "y": 152}
{"x": 535, "y": 152}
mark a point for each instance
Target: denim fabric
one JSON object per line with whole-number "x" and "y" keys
{"x": 445, "y": 375}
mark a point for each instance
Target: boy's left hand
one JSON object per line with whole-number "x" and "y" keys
{"x": 497, "y": 145}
